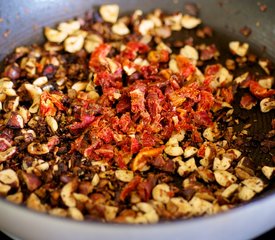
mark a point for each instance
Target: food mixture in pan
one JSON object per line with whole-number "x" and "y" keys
{"x": 112, "y": 120}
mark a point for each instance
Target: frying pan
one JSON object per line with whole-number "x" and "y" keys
{"x": 22, "y": 23}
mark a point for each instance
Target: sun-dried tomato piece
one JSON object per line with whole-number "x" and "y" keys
{"x": 248, "y": 101}
{"x": 129, "y": 187}
{"x": 185, "y": 66}
{"x": 260, "y": 92}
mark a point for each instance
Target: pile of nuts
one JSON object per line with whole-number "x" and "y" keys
{"x": 112, "y": 121}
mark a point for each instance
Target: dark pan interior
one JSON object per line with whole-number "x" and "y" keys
{"x": 22, "y": 22}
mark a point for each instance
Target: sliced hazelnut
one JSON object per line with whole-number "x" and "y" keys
{"x": 75, "y": 214}
{"x": 120, "y": 28}
{"x": 239, "y": 49}
{"x": 267, "y": 104}
{"x": 6, "y": 155}
{"x": 67, "y": 194}
{"x": 145, "y": 26}
{"x": 69, "y": 27}
{"x": 187, "y": 167}
{"x": 221, "y": 164}
{"x": 110, "y": 212}
{"x": 174, "y": 21}
{"x": 34, "y": 202}
{"x": 254, "y": 183}
{"x": 109, "y": 13}
{"x": 190, "y": 52}
{"x": 39, "y": 82}
{"x": 92, "y": 41}
{"x": 60, "y": 212}
{"x": 38, "y": 148}
{"x": 224, "y": 178}
{"x": 189, "y": 151}
{"x": 200, "y": 206}
{"x": 54, "y": 35}
{"x": 9, "y": 177}
{"x": 183, "y": 207}
{"x": 264, "y": 64}
{"x": 245, "y": 193}
{"x": 230, "y": 190}
{"x": 74, "y": 43}
{"x": 173, "y": 151}
{"x": 190, "y": 22}
{"x": 266, "y": 82}
{"x": 4, "y": 189}
{"x": 16, "y": 198}
{"x": 52, "y": 123}
{"x": 124, "y": 175}
{"x": 268, "y": 171}
{"x": 161, "y": 193}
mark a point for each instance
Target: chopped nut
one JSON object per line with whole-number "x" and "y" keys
{"x": 238, "y": 48}
{"x": 266, "y": 82}
{"x": 221, "y": 164}
{"x": 124, "y": 175}
{"x": 173, "y": 151}
{"x": 60, "y": 212}
{"x": 9, "y": 177}
{"x": 254, "y": 183}
{"x": 190, "y": 52}
{"x": 145, "y": 26}
{"x": 224, "y": 178}
{"x": 264, "y": 64}
{"x": 187, "y": 167}
{"x": 34, "y": 202}
{"x": 161, "y": 193}
{"x": 174, "y": 21}
{"x": 190, "y": 22}
{"x": 67, "y": 194}
{"x": 268, "y": 171}
{"x": 109, "y": 13}
{"x": 227, "y": 193}
{"x": 74, "y": 43}
{"x": 40, "y": 81}
{"x": 241, "y": 78}
{"x": 95, "y": 180}
{"x": 75, "y": 214}
{"x": 110, "y": 212}
{"x": 150, "y": 215}
{"x": 189, "y": 151}
{"x": 69, "y": 27}
{"x": 92, "y": 41}
{"x": 211, "y": 133}
{"x": 79, "y": 86}
{"x": 6, "y": 155}
{"x": 200, "y": 206}
{"x": 4, "y": 189}
{"x": 38, "y": 149}
{"x": 245, "y": 193}
{"x": 267, "y": 104}
{"x": 35, "y": 93}
{"x": 120, "y": 29}
{"x": 205, "y": 174}
{"x": 16, "y": 198}
{"x": 54, "y": 35}
{"x": 52, "y": 123}
{"x": 183, "y": 207}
